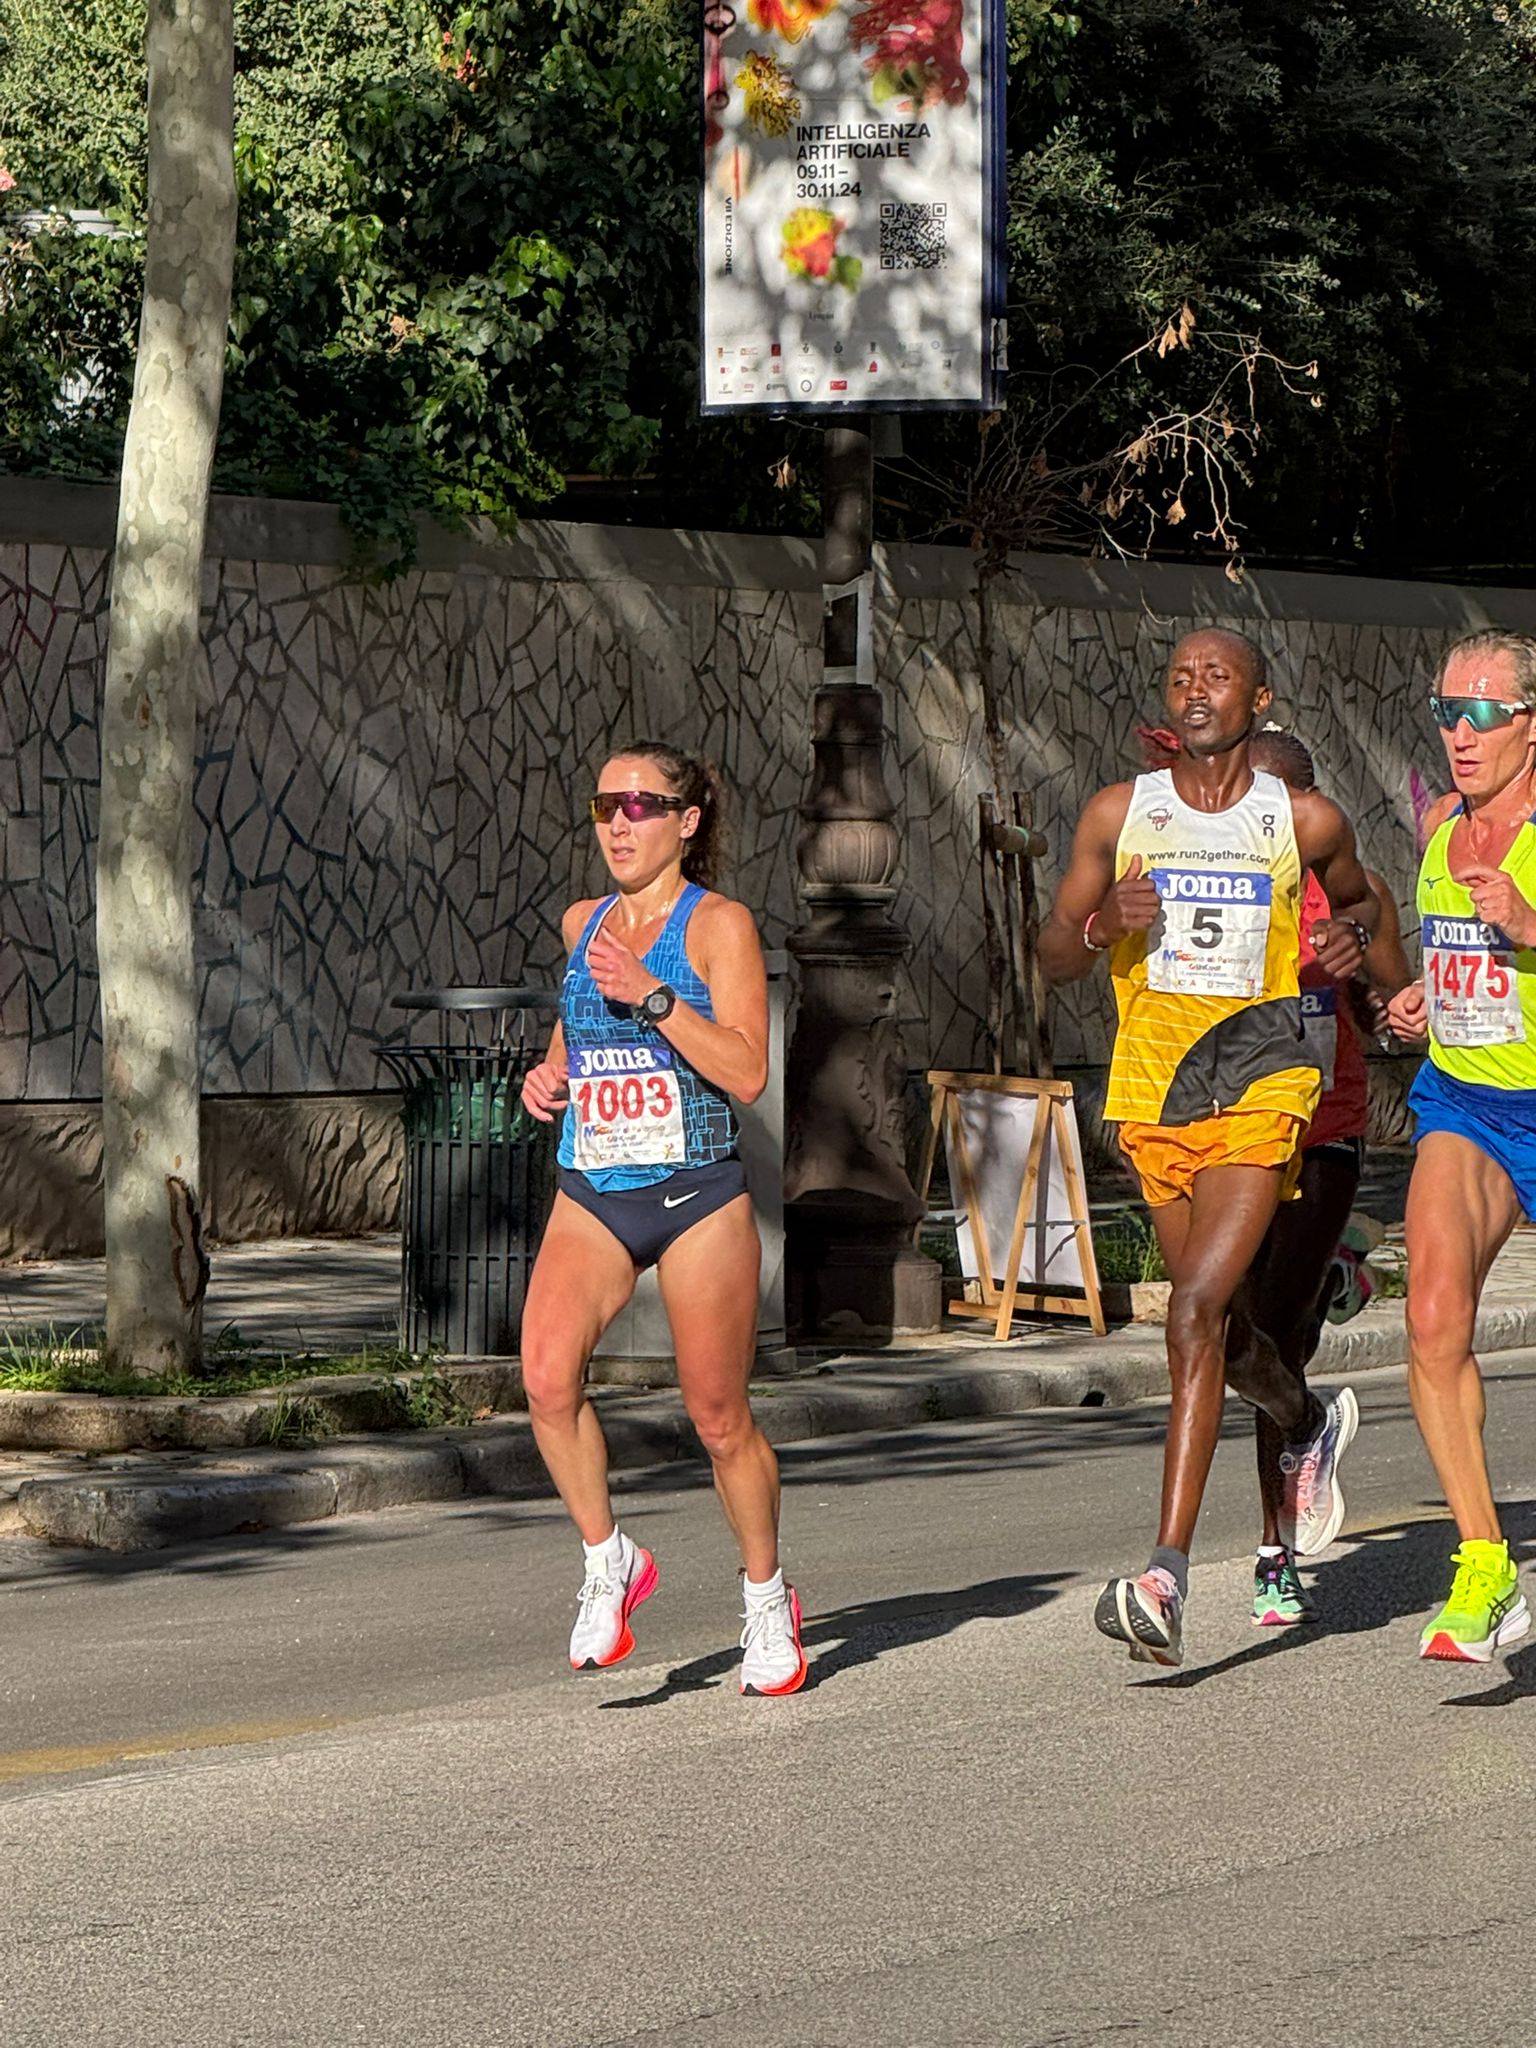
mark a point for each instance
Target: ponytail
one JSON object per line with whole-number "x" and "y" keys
{"x": 700, "y": 784}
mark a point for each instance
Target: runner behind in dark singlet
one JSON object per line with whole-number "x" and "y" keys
{"x": 1288, "y": 1279}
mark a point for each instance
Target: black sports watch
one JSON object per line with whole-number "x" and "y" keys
{"x": 658, "y": 1005}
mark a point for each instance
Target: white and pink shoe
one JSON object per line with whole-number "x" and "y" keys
{"x": 772, "y": 1661}
{"x": 609, "y": 1596}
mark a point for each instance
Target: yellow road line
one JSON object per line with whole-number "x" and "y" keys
{"x": 19, "y": 1764}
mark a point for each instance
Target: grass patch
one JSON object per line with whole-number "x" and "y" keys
{"x": 1127, "y": 1251}
{"x": 433, "y": 1402}
{"x": 1390, "y": 1276}
{"x": 46, "y": 1362}
{"x": 296, "y": 1419}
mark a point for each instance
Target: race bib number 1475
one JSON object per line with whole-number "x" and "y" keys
{"x": 627, "y": 1107}
{"x": 1213, "y": 934}
{"x": 1469, "y": 977}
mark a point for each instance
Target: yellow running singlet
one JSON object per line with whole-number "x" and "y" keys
{"x": 1481, "y": 986}
{"x": 1209, "y": 1006}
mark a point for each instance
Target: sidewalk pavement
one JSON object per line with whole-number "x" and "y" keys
{"x": 343, "y": 1294}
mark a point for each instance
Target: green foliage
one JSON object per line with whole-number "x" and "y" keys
{"x": 1270, "y": 268}
{"x": 1126, "y": 1250}
{"x": 1350, "y": 182}
{"x": 72, "y": 101}
{"x": 432, "y": 1401}
{"x": 46, "y": 1361}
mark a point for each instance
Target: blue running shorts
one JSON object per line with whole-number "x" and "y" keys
{"x": 1499, "y": 1121}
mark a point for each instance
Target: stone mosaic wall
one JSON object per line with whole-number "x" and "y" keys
{"x": 1077, "y": 655}
{"x": 391, "y": 778}
{"x": 391, "y": 781}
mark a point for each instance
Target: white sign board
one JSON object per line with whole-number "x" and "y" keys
{"x": 998, "y": 1130}
{"x": 850, "y": 234}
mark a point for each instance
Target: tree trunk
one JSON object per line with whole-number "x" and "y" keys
{"x": 156, "y": 1268}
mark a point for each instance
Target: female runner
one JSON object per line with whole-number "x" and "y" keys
{"x": 663, "y": 1019}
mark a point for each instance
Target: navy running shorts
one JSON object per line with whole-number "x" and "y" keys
{"x": 648, "y": 1220}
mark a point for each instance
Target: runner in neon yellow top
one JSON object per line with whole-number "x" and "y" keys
{"x": 1479, "y": 981}
{"x": 1474, "y": 1099}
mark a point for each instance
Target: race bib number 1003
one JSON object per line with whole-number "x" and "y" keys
{"x": 1213, "y": 934}
{"x": 627, "y": 1107}
{"x": 1469, "y": 977}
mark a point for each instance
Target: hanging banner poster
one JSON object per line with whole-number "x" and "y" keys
{"x": 850, "y": 229}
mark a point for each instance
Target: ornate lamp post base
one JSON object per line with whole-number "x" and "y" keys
{"x": 850, "y": 1208}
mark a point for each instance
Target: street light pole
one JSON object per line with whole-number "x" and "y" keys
{"x": 850, "y": 1207}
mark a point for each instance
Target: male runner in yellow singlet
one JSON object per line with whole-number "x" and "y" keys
{"x": 1191, "y": 880}
{"x": 1474, "y": 1171}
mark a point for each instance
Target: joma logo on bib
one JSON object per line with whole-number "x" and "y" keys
{"x": 1212, "y": 936}
{"x": 1193, "y": 885}
{"x": 1465, "y": 935}
{"x": 619, "y": 1059}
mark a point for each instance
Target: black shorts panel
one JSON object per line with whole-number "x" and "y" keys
{"x": 647, "y": 1221}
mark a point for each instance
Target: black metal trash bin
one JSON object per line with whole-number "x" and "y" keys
{"x": 479, "y": 1171}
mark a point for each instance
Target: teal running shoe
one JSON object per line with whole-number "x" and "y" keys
{"x": 1280, "y": 1600}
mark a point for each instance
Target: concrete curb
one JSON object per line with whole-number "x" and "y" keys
{"x": 151, "y": 1508}
{"x": 349, "y": 1402}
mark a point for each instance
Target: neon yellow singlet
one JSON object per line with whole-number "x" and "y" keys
{"x": 1210, "y": 1011}
{"x": 1481, "y": 986}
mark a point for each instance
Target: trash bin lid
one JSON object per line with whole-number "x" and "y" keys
{"x": 479, "y": 999}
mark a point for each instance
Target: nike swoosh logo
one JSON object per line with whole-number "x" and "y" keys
{"x": 677, "y": 1201}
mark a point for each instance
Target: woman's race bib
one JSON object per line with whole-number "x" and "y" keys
{"x": 627, "y": 1106}
{"x": 1469, "y": 977}
{"x": 1320, "y": 1029}
{"x": 1213, "y": 933}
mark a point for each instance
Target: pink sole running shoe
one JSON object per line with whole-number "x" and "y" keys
{"x": 602, "y": 1633}
{"x": 773, "y": 1661}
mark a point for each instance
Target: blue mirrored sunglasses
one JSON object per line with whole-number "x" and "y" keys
{"x": 1483, "y": 714}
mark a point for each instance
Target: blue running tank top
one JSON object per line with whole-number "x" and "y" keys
{"x": 591, "y": 1022}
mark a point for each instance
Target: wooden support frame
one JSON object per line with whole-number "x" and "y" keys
{"x": 1001, "y": 1303}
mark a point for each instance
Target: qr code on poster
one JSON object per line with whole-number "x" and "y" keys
{"x": 912, "y": 237}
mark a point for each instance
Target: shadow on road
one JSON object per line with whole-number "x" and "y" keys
{"x": 861, "y": 1633}
{"x": 1393, "y": 1573}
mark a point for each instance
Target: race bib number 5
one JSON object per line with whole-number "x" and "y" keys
{"x": 1469, "y": 977}
{"x": 627, "y": 1107}
{"x": 1212, "y": 936}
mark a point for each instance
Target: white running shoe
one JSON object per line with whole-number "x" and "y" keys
{"x": 772, "y": 1660}
{"x": 1312, "y": 1509}
{"x": 609, "y": 1596}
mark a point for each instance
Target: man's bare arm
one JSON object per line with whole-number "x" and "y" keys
{"x": 1089, "y": 891}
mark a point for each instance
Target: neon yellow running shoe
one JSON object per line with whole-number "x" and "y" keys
{"x": 1486, "y": 1609}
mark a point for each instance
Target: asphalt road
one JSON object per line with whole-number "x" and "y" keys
{"x": 335, "y": 1785}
